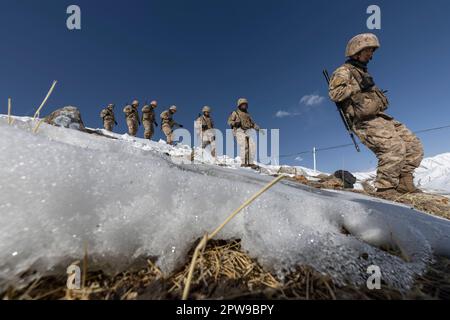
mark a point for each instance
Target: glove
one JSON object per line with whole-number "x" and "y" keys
{"x": 367, "y": 83}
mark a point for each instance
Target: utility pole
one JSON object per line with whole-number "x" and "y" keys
{"x": 314, "y": 156}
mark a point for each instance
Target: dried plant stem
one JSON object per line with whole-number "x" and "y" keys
{"x": 36, "y": 115}
{"x": 206, "y": 238}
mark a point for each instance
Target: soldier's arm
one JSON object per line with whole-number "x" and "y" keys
{"x": 342, "y": 86}
{"x": 233, "y": 120}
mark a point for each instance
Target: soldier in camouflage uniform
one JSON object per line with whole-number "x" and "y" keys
{"x": 132, "y": 117}
{"x": 398, "y": 150}
{"x": 167, "y": 123}
{"x": 107, "y": 115}
{"x": 148, "y": 119}
{"x": 242, "y": 123}
{"x": 204, "y": 126}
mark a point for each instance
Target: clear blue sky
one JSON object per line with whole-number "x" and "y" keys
{"x": 196, "y": 52}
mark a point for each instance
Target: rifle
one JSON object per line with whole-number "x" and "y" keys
{"x": 343, "y": 117}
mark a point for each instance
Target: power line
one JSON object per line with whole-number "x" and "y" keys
{"x": 351, "y": 144}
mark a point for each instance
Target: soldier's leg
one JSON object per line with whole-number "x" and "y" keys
{"x": 414, "y": 148}
{"x": 380, "y": 136}
{"x": 241, "y": 141}
{"x": 252, "y": 151}
{"x": 130, "y": 125}
{"x": 213, "y": 146}
{"x": 151, "y": 132}
{"x": 108, "y": 125}
{"x": 146, "y": 129}
{"x": 168, "y": 132}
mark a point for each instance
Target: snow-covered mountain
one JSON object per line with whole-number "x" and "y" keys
{"x": 432, "y": 176}
{"x": 129, "y": 197}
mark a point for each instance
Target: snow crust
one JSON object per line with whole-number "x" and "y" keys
{"x": 126, "y": 198}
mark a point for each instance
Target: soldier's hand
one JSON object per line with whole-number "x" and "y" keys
{"x": 367, "y": 83}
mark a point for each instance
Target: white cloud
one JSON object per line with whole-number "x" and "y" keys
{"x": 306, "y": 103}
{"x": 312, "y": 100}
{"x": 283, "y": 114}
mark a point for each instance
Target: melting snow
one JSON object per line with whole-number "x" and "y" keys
{"x": 125, "y": 197}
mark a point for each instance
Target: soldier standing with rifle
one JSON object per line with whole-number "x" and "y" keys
{"x": 241, "y": 122}
{"x": 148, "y": 119}
{"x": 107, "y": 115}
{"x": 167, "y": 123}
{"x": 398, "y": 150}
{"x": 204, "y": 126}
{"x": 132, "y": 117}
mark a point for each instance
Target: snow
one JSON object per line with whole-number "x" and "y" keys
{"x": 129, "y": 198}
{"x": 432, "y": 176}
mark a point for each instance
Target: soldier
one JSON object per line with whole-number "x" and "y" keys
{"x": 398, "y": 150}
{"x": 241, "y": 122}
{"x": 148, "y": 119}
{"x": 107, "y": 115}
{"x": 132, "y": 116}
{"x": 167, "y": 123}
{"x": 204, "y": 126}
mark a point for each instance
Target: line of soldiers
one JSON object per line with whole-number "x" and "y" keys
{"x": 398, "y": 150}
{"x": 240, "y": 121}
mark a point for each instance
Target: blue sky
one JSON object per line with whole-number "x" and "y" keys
{"x": 201, "y": 52}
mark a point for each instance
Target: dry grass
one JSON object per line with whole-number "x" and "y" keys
{"x": 224, "y": 271}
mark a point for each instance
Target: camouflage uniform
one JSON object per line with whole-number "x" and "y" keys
{"x": 132, "y": 117}
{"x": 242, "y": 123}
{"x": 148, "y": 121}
{"x": 205, "y": 129}
{"x": 108, "y": 117}
{"x": 167, "y": 124}
{"x": 398, "y": 150}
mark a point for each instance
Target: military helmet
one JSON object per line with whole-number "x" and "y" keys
{"x": 173, "y": 108}
{"x": 154, "y": 103}
{"x": 111, "y": 106}
{"x": 135, "y": 102}
{"x": 361, "y": 42}
{"x": 206, "y": 109}
{"x": 242, "y": 101}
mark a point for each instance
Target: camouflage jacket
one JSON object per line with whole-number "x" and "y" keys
{"x": 131, "y": 113}
{"x": 148, "y": 114}
{"x": 107, "y": 115}
{"x": 356, "y": 93}
{"x": 243, "y": 120}
{"x": 167, "y": 119}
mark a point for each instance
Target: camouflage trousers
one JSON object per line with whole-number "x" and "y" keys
{"x": 132, "y": 127}
{"x": 108, "y": 125}
{"x": 241, "y": 138}
{"x": 149, "y": 129}
{"x": 168, "y": 132}
{"x": 208, "y": 138}
{"x": 398, "y": 150}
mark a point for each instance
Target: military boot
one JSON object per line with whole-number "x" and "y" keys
{"x": 406, "y": 184}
